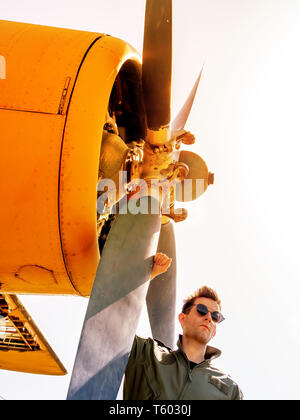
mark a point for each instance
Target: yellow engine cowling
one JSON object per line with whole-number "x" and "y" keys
{"x": 53, "y": 102}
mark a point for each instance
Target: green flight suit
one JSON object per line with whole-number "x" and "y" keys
{"x": 154, "y": 372}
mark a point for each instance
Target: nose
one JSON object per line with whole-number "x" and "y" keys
{"x": 208, "y": 317}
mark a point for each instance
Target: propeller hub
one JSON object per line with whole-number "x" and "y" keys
{"x": 158, "y": 137}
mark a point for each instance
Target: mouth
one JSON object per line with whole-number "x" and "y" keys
{"x": 204, "y": 326}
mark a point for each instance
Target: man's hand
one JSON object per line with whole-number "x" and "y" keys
{"x": 161, "y": 263}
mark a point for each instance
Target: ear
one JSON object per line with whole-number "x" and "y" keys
{"x": 181, "y": 318}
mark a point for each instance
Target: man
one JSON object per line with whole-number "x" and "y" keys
{"x": 155, "y": 372}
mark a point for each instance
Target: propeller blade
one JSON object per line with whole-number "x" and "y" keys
{"x": 161, "y": 297}
{"x": 182, "y": 117}
{"x": 157, "y": 63}
{"x": 115, "y": 305}
{"x": 197, "y": 180}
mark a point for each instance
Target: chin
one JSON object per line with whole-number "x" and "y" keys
{"x": 203, "y": 339}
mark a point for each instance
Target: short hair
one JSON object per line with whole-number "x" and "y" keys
{"x": 206, "y": 292}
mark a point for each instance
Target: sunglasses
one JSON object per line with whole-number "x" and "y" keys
{"x": 216, "y": 316}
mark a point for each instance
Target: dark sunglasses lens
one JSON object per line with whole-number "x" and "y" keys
{"x": 202, "y": 309}
{"x": 216, "y": 316}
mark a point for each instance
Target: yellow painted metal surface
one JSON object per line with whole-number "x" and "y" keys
{"x": 52, "y": 108}
{"x": 80, "y": 158}
{"x": 39, "y": 61}
{"x": 31, "y": 260}
{"x": 22, "y": 346}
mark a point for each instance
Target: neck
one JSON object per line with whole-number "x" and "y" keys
{"x": 194, "y": 350}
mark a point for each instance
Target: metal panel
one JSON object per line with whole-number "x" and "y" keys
{"x": 39, "y": 62}
{"x": 81, "y": 154}
{"x": 31, "y": 259}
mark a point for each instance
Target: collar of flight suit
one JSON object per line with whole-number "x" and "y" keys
{"x": 210, "y": 354}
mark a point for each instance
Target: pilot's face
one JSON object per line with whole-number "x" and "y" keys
{"x": 201, "y": 328}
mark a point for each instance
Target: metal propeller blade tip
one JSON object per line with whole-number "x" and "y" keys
{"x": 179, "y": 122}
{"x": 157, "y": 63}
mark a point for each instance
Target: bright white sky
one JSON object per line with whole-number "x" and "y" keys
{"x": 242, "y": 236}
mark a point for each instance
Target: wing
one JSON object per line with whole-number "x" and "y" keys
{"x": 23, "y": 348}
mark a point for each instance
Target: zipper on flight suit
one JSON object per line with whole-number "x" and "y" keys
{"x": 188, "y": 380}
